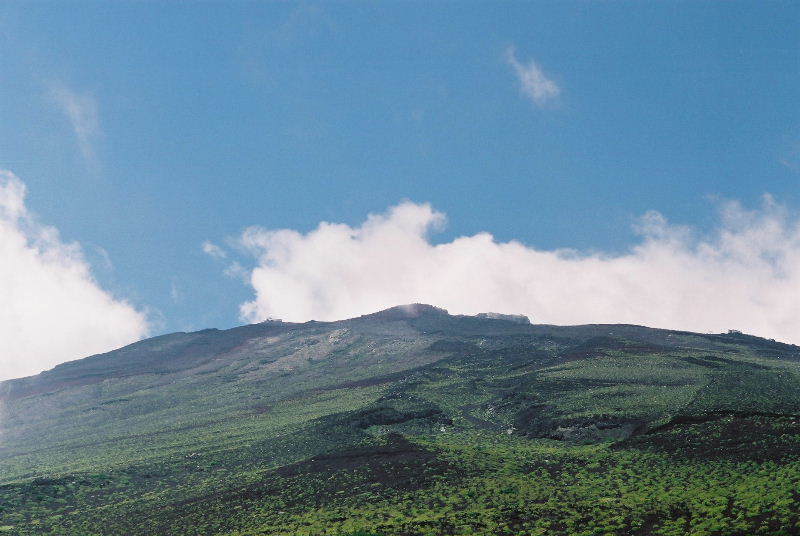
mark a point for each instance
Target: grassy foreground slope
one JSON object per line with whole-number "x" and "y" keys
{"x": 409, "y": 421}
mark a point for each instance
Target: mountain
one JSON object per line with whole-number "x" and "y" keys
{"x": 409, "y": 421}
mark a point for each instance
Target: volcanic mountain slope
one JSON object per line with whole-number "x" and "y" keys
{"x": 409, "y": 421}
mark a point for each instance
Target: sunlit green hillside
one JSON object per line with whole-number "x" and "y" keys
{"x": 409, "y": 421}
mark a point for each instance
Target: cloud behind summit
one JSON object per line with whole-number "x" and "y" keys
{"x": 743, "y": 275}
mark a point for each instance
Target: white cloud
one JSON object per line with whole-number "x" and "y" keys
{"x": 81, "y": 111}
{"x": 534, "y": 84}
{"x": 52, "y": 308}
{"x": 213, "y": 250}
{"x": 745, "y": 275}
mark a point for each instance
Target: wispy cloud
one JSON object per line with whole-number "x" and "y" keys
{"x": 53, "y": 310}
{"x": 213, "y": 250}
{"x": 104, "y": 258}
{"x": 791, "y": 160}
{"x": 175, "y": 293}
{"x": 534, "y": 84}
{"x": 744, "y": 275}
{"x": 82, "y": 112}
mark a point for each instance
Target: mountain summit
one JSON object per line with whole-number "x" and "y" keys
{"x": 405, "y": 421}
{"x": 412, "y": 310}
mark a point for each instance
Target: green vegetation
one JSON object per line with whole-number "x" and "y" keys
{"x": 409, "y": 422}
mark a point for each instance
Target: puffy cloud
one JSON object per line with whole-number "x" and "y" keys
{"x": 533, "y": 82}
{"x": 52, "y": 308}
{"x": 745, "y": 275}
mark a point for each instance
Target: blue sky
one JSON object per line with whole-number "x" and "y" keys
{"x": 143, "y": 130}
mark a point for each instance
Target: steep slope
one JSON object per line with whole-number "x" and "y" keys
{"x": 281, "y": 428}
